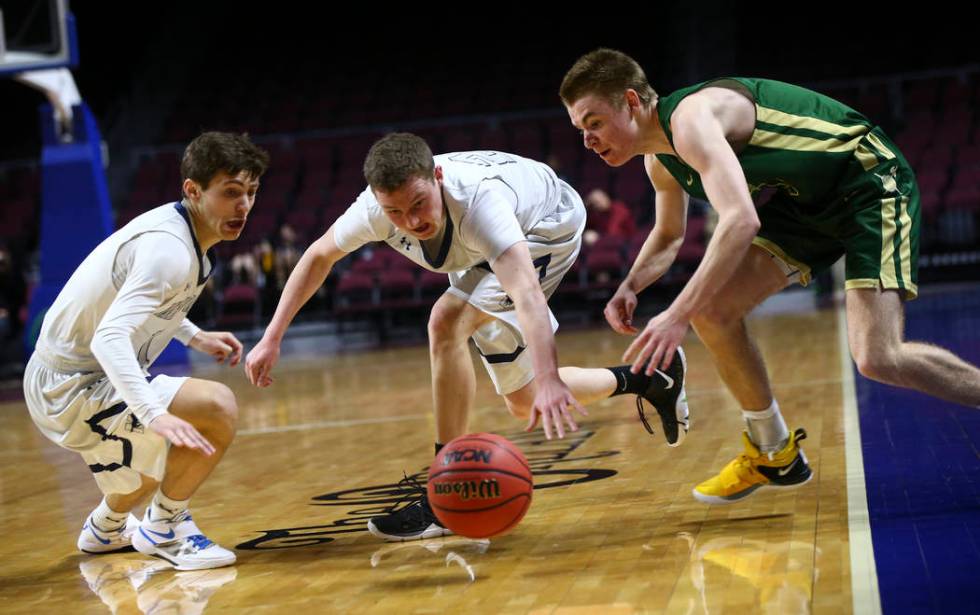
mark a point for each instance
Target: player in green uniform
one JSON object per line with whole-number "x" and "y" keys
{"x": 841, "y": 188}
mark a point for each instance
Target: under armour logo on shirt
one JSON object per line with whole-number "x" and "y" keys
{"x": 406, "y": 243}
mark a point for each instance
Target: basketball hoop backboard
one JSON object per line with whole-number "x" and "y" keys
{"x": 36, "y": 34}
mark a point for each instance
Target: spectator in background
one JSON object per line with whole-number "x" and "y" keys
{"x": 606, "y": 218}
{"x": 268, "y": 282}
{"x": 244, "y": 269}
{"x": 287, "y": 255}
{"x": 265, "y": 258}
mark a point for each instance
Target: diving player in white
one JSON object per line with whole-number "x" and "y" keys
{"x": 86, "y": 384}
{"x": 506, "y": 230}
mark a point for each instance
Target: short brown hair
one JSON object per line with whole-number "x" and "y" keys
{"x": 608, "y": 73}
{"x": 213, "y": 152}
{"x": 396, "y": 158}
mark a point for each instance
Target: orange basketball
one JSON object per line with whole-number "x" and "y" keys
{"x": 480, "y": 485}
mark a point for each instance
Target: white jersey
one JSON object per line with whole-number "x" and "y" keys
{"x": 124, "y": 304}
{"x": 492, "y": 200}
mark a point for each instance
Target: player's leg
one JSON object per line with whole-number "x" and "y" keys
{"x": 875, "y": 324}
{"x": 212, "y": 409}
{"x": 772, "y": 457}
{"x": 451, "y": 323}
{"x": 664, "y": 391}
{"x": 167, "y": 530}
{"x": 75, "y": 411}
{"x": 109, "y": 527}
{"x": 502, "y": 347}
{"x": 882, "y": 261}
{"x": 722, "y": 327}
{"x": 126, "y": 502}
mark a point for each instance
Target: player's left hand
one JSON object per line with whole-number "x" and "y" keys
{"x": 552, "y": 406}
{"x": 658, "y": 342}
{"x": 219, "y": 344}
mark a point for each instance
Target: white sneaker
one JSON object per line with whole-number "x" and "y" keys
{"x": 180, "y": 542}
{"x": 92, "y": 539}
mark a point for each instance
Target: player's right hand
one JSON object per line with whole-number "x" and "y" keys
{"x": 553, "y": 404}
{"x": 619, "y": 311}
{"x": 181, "y": 433}
{"x": 260, "y": 361}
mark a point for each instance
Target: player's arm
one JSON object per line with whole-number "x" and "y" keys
{"x": 308, "y": 275}
{"x": 186, "y": 332}
{"x": 658, "y": 251}
{"x": 553, "y": 400}
{"x": 520, "y": 281}
{"x": 665, "y": 239}
{"x": 219, "y": 344}
{"x": 699, "y": 138}
{"x": 491, "y": 227}
{"x": 155, "y": 265}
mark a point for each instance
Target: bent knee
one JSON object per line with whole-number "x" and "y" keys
{"x": 877, "y": 359}
{"x": 224, "y": 406}
{"x": 879, "y": 366}
{"x": 716, "y": 316}
{"x": 443, "y": 328}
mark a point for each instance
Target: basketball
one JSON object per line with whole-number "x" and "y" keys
{"x": 480, "y": 485}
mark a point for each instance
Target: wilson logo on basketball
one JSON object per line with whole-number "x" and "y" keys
{"x": 487, "y": 489}
{"x": 467, "y": 454}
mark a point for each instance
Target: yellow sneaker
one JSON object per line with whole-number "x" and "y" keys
{"x": 753, "y": 470}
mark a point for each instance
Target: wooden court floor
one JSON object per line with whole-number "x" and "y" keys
{"x": 612, "y": 528}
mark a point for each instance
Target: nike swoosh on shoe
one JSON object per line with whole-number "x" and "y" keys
{"x": 104, "y": 541}
{"x": 168, "y": 536}
{"x": 786, "y": 470}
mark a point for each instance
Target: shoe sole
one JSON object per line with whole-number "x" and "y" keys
{"x": 686, "y": 425}
{"x": 147, "y": 548}
{"x": 683, "y": 427}
{"x": 715, "y": 500}
{"x": 119, "y": 549}
{"x": 186, "y": 567}
{"x": 433, "y": 531}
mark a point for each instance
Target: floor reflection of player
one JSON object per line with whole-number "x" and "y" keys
{"x": 133, "y": 584}
{"x": 782, "y": 572}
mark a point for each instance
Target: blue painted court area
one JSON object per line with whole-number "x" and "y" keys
{"x": 922, "y": 472}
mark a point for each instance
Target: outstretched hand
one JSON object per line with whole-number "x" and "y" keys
{"x": 552, "y": 407}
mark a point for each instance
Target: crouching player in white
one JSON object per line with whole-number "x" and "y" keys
{"x": 506, "y": 230}
{"x": 86, "y": 384}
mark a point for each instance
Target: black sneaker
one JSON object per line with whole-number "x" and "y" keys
{"x": 667, "y": 395}
{"x": 409, "y": 519}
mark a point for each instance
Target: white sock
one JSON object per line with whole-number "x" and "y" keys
{"x": 767, "y": 429}
{"x": 162, "y": 507}
{"x": 107, "y": 519}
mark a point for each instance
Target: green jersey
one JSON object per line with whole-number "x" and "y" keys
{"x": 804, "y": 144}
{"x": 841, "y": 186}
